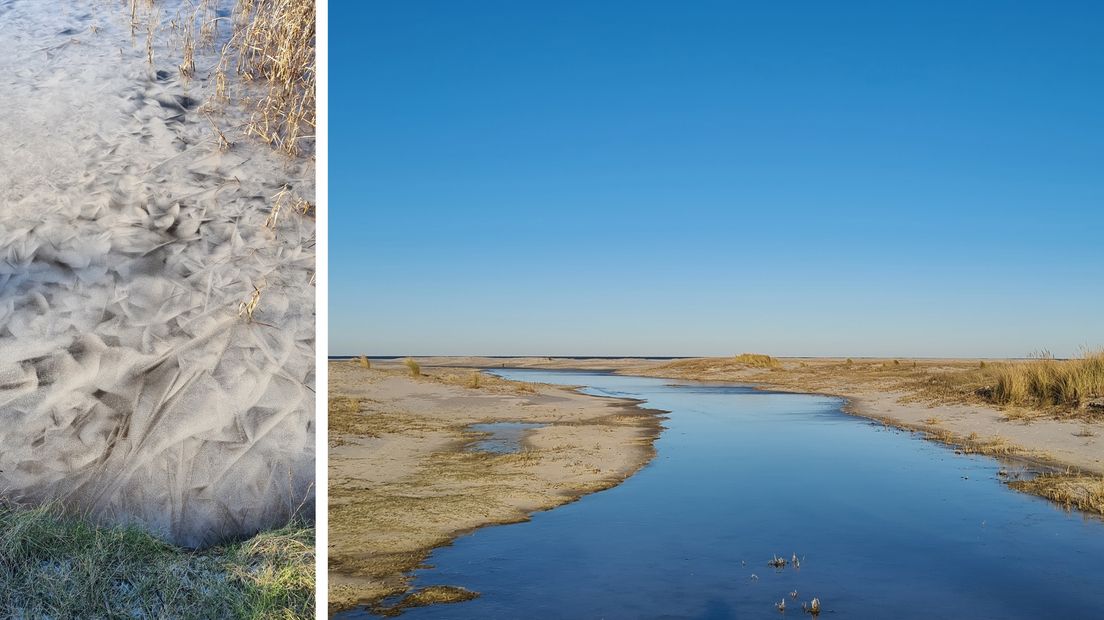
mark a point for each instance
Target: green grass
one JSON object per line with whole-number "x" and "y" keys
{"x": 53, "y": 566}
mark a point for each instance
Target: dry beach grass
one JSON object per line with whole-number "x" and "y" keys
{"x": 265, "y": 62}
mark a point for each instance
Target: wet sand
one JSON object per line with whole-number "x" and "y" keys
{"x": 405, "y": 477}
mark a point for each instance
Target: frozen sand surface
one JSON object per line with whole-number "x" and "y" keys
{"x": 129, "y": 385}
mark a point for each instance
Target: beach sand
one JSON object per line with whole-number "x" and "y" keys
{"x": 133, "y": 386}
{"x": 405, "y": 479}
{"x": 876, "y": 389}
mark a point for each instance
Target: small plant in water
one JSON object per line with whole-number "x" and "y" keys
{"x": 415, "y": 368}
{"x": 781, "y": 605}
{"x": 812, "y": 607}
{"x": 777, "y": 562}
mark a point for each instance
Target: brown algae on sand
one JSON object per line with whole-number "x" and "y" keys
{"x": 405, "y": 479}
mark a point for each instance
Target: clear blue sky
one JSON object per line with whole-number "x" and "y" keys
{"x": 705, "y": 178}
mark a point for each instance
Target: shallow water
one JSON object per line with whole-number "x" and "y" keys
{"x": 504, "y": 437}
{"x": 889, "y": 525}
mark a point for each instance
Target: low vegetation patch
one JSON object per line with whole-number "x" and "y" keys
{"x": 274, "y": 44}
{"x": 1047, "y": 382}
{"x": 431, "y": 595}
{"x": 414, "y": 367}
{"x": 757, "y": 360}
{"x": 269, "y": 44}
{"x": 1071, "y": 490}
{"x": 54, "y": 566}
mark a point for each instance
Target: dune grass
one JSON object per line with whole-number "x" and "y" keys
{"x": 756, "y": 360}
{"x": 414, "y": 367}
{"x": 274, "y": 43}
{"x": 1047, "y": 382}
{"x": 475, "y": 380}
{"x": 269, "y": 44}
{"x": 54, "y": 566}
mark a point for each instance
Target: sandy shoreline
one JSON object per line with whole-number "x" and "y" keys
{"x": 1072, "y": 443}
{"x": 156, "y": 307}
{"x": 404, "y": 479}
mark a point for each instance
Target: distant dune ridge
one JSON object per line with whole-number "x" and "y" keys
{"x": 156, "y": 323}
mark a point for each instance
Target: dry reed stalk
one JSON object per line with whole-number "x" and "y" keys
{"x": 247, "y": 308}
{"x": 274, "y": 40}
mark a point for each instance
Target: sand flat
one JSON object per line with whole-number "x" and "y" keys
{"x": 416, "y": 484}
{"x": 132, "y": 387}
{"x": 1076, "y": 443}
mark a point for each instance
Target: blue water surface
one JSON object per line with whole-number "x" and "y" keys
{"x": 888, "y": 525}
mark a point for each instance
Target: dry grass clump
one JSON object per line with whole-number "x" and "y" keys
{"x": 994, "y": 446}
{"x": 1071, "y": 490}
{"x": 1046, "y": 382}
{"x": 431, "y": 595}
{"x": 989, "y": 446}
{"x": 269, "y": 43}
{"x": 274, "y": 41}
{"x": 55, "y": 566}
{"x": 757, "y": 360}
{"x": 345, "y": 419}
{"x": 364, "y": 363}
{"x": 414, "y": 367}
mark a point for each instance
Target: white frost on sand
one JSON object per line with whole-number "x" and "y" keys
{"x": 130, "y": 387}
